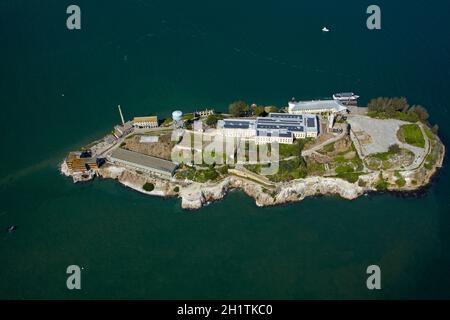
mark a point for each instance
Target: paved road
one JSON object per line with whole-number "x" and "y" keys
{"x": 323, "y": 144}
{"x": 420, "y": 157}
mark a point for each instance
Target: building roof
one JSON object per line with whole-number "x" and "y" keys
{"x": 123, "y": 127}
{"x": 280, "y": 126}
{"x": 344, "y": 94}
{"x": 144, "y": 160}
{"x": 275, "y": 122}
{"x": 285, "y": 116}
{"x": 311, "y": 122}
{"x": 237, "y": 124}
{"x": 145, "y": 119}
{"x": 317, "y": 105}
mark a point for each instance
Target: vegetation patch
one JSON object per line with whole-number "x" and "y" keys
{"x": 329, "y": 147}
{"x": 351, "y": 177}
{"x": 292, "y": 150}
{"x": 315, "y": 169}
{"x": 197, "y": 175}
{"x": 344, "y": 169}
{"x": 395, "y": 157}
{"x": 411, "y": 134}
{"x": 396, "y": 108}
{"x": 290, "y": 170}
{"x": 148, "y": 186}
{"x": 212, "y": 119}
{"x": 381, "y": 184}
{"x": 400, "y": 181}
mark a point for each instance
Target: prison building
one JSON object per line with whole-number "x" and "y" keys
{"x": 301, "y": 125}
{"x": 280, "y": 127}
{"x": 145, "y": 122}
{"x": 315, "y": 107}
{"x": 144, "y": 163}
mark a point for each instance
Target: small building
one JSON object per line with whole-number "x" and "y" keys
{"x": 204, "y": 113}
{"x": 145, "y": 122}
{"x": 123, "y": 129}
{"x": 148, "y": 139}
{"x": 141, "y": 162}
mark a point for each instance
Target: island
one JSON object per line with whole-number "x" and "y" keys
{"x": 274, "y": 155}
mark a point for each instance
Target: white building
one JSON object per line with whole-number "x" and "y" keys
{"x": 145, "y": 122}
{"x": 277, "y": 127}
{"x": 315, "y": 107}
{"x": 264, "y": 137}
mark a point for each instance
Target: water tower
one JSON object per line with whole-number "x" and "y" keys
{"x": 177, "y": 117}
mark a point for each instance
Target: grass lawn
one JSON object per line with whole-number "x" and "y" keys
{"x": 411, "y": 134}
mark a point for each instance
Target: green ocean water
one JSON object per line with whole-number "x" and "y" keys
{"x": 59, "y": 90}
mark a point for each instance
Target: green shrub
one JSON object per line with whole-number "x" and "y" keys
{"x": 400, "y": 182}
{"x": 148, "y": 186}
{"x": 381, "y": 184}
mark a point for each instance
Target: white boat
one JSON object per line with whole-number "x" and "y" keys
{"x": 345, "y": 96}
{"x": 325, "y": 29}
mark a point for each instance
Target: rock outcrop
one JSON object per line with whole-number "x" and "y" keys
{"x": 194, "y": 195}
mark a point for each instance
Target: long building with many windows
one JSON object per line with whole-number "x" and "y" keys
{"x": 141, "y": 162}
{"x": 276, "y": 127}
{"x": 145, "y": 122}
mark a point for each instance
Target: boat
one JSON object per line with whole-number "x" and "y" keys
{"x": 345, "y": 96}
{"x": 325, "y": 29}
{"x": 11, "y": 229}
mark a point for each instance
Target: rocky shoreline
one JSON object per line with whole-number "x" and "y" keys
{"x": 195, "y": 195}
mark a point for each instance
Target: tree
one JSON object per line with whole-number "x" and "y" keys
{"x": 388, "y": 105}
{"x": 260, "y": 111}
{"x": 271, "y": 109}
{"x": 394, "y": 148}
{"x": 238, "y": 108}
{"x": 148, "y": 186}
{"x": 212, "y": 119}
{"x": 435, "y": 129}
{"x": 421, "y": 112}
